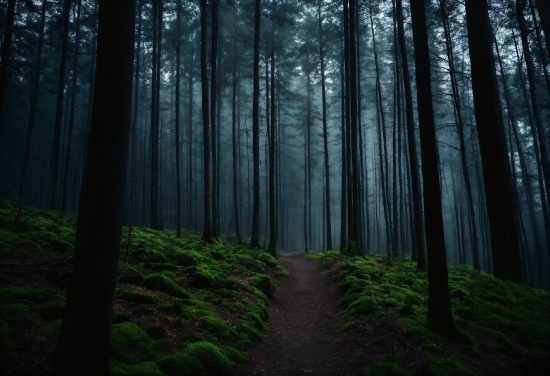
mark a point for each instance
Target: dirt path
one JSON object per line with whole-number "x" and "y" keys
{"x": 303, "y": 338}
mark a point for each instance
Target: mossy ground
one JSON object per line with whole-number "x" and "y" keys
{"x": 505, "y": 324}
{"x": 181, "y": 306}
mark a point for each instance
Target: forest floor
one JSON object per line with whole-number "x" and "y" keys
{"x": 306, "y": 335}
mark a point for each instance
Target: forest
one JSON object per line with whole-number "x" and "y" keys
{"x": 169, "y": 169}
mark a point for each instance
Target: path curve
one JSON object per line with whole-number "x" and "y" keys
{"x": 303, "y": 336}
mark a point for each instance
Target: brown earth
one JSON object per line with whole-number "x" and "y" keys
{"x": 306, "y": 335}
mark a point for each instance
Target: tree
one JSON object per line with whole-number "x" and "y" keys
{"x": 440, "y": 316}
{"x": 411, "y": 139}
{"x": 59, "y": 106}
{"x": 178, "y": 145}
{"x": 6, "y": 52}
{"x": 492, "y": 144}
{"x": 84, "y": 339}
{"x": 255, "y": 238}
{"x": 207, "y": 232}
{"x": 328, "y": 228}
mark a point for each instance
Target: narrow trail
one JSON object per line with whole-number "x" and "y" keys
{"x": 303, "y": 336}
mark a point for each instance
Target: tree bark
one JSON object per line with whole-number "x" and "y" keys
{"x": 440, "y": 316}
{"x": 255, "y": 238}
{"x": 207, "y": 232}
{"x": 492, "y": 143}
{"x": 84, "y": 339}
{"x": 415, "y": 173}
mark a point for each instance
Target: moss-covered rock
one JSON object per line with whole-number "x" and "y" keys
{"x": 211, "y": 357}
{"x": 363, "y": 306}
{"x": 160, "y": 282}
{"x": 126, "y": 335}
{"x": 263, "y": 283}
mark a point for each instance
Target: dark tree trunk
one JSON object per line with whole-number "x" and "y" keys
{"x": 415, "y": 173}
{"x": 492, "y": 143}
{"x": 255, "y": 238}
{"x": 272, "y": 153}
{"x": 207, "y": 232}
{"x": 235, "y": 162}
{"x": 6, "y": 52}
{"x": 440, "y": 316}
{"x": 84, "y": 339}
{"x": 74, "y": 88}
{"x": 32, "y": 111}
{"x": 59, "y": 107}
{"x": 328, "y": 226}
{"x": 213, "y": 93}
{"x": 460, "y": 128}
{"x": 155, "y": 113}
{"x": 542, "y": 139}
{"x": 178, "y": 144}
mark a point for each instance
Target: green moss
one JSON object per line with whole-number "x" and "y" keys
{"x": 445, "y": 367}
{"x": 25, "y": 294}
{"x": 211, "y": 358}
{"x": 129, "y": 274}
{"x": 417, "y": 332}
{"x": 235, "y": 355}
{"x": 160, "y": 282}
{"x": 250, "y": 332}
{"x": 134, "y": 295}
{"x": 201, "y": 276}
{"x": 141, "y": 369}
{"x": 216, "y": 325}
{"x": 263, "y": 283}
{"x": 126, "y": 335}
{"x": 187, "y": 257}
{"x": 182, "y": 364}
{"x": 383, "y": 369}
{"x": 363, "y": 306}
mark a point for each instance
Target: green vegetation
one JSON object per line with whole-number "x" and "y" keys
{"x": 496, "y": 316}
{"x": 181, "y": 306}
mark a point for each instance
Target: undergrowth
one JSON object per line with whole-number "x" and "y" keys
{"x": 499, "y": 318}
{"x": 182, "y": 306}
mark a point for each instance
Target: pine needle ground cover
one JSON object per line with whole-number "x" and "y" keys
{"x": 506, "y": 324}
{"x": 181, "y": 306}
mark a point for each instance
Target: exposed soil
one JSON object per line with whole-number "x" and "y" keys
{"x": 305, "y": 334}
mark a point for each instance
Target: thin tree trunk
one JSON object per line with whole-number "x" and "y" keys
{"x": 207, "y": 232}
{"x": 255, "y": 239}
{"x": 415, "y": 173}
{"x": 59, "y": 107}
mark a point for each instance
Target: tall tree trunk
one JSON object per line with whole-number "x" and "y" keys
{"x": 543, "y": 7}
{"x": 84, "y": 338}
{"x": 255, "y": 238}
{"x": 328, "y": 226}
{"x": 6, "y": 52}
{"x": 32, "y": 111}
{"x": 178, "y": 142}
{"x": 273, "y": 232}
{"x": 492, "y": 143}
{"x": 207, "y": 232}
{"x": 59, "y": 107}
{"x": 440, "y": 316}
{"x": 213, "y": 93}
{"x": 460, "y": 128}
{"x": 235, "y": 162}
{"x": 543, "y": 140}
{"x": 415, "y": 173}
{"x": 74, "y": 87}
